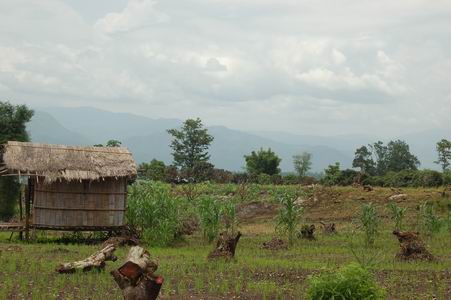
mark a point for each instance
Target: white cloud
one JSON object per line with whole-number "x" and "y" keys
{"x": 288, "y": 65}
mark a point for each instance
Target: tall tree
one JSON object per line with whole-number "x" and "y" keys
{"x": 13, "y": 120}
{"x": 363, "y": 160}
{"x": 190, "y": 144}
{"x": 399, "y": 157}
{"x": 332, "y": 174}
{"x": 262, "y": 162}
{"x": 444, "y": 154}
{"x": 302, "y": 163}
{"x": 379, "y": 150}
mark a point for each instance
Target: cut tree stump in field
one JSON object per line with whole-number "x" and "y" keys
{"x": 412, "y": 247}
{"x": 307, "y": 232}
{"x": 329, "y": 228}
{"x": 275, "y": 244}
{"x": 136, "y": 276}
{"x": 95, "y": 261}
{"x": 225, "y": 246}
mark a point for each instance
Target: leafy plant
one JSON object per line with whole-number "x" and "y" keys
{"x": 397, "y": 214}
{"x": 210, "y": 217}
{"x": 289, "y": 215}
{"x": 229, "y": 217}
{"x": 431, "y": 221}
{"x": 349, "y": 282}
{"x": 152, "y": 210}
{"x": 370, "y": 223}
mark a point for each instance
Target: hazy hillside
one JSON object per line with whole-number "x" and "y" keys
{"x": 147, "y": 138}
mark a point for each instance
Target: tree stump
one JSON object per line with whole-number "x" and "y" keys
{"x": 412, "y": 247}
{"x": 95, "y": 261}
{"x": 225, "y": 246}
{"x": 329, "y": 228}
{"x": 307, "y": 232}
{"x": 136, "y": 276}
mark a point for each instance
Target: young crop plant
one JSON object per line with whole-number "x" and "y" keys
{"x": 349, "y": 282}
{"x": 153, "y": 211}
{"x": 431, "y": 221}
{"x": 397, "y": 214}
{"x": 210, "y": 217}
{"x": 229, "y": 217}
{"x": 370, "y": 223}
{"x": 289, "y": 215}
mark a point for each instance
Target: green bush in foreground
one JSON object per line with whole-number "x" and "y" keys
{"x": 349, "y": 282}
{"x": 153, "y": 211}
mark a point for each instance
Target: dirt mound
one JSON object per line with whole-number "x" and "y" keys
{"x": 189, "y": 226}
{"x": 412, "y": 247}
{"x": 275, "y": 244}
{"x": 256, "y": 209}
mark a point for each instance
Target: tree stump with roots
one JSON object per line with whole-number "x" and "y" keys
{"x": 225, "y": 246}
{"x": 136, "y": 276}
{"x": 412, "y": 247}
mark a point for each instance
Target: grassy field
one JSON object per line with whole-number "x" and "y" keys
{"x": 27, "y": 270}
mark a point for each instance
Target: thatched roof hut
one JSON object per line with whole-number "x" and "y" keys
{"x": 72, "y": 188}
{"x": 69, "y": 163}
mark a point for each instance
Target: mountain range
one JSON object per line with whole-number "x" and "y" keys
{"x": 147, "y": 138}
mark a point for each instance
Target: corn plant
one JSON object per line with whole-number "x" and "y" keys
{"x": 289, "y": 215}
{"x": 210, "y": 217}
{"x": 152, "y": 210}
{"x": 431, "y": 221}
{"x": 229, "y": 217}
{"x": 370, "y": 223}
{"x": 397, "y": 214}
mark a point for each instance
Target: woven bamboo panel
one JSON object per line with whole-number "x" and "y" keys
{"x": 80, "y": 204}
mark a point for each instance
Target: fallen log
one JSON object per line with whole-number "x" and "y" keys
{"x": 95, "y": 261}
{"x": 225, "y": 246}
{"x": 135, "y": 277}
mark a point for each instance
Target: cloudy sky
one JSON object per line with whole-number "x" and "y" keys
{"x": 303, "y": 66}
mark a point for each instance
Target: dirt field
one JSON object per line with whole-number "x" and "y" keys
{"x": 27, "y": 270}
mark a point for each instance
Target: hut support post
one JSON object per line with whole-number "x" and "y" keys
{"x": 27, "y": 209}
{"x": 21, "y": 200}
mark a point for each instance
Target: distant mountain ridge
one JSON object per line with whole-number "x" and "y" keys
{"x": 147, "y": 139}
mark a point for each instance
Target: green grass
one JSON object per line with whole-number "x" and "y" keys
{"x": 27, "y": 271}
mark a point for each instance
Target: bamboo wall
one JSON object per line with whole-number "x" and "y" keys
{"x": 80, "y": 205}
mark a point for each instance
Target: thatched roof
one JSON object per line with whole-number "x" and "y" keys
{"x": 58, "y": 162}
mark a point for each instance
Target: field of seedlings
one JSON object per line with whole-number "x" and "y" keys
{"x": 279, "y": 256}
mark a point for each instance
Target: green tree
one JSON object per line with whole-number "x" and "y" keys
{"x": 399, "y": 157}
{"x": 113, "y": 143}
{"x": 190, "y": 144}
{"x": 332, "y": 174}
{"x": 155, "y": 170}
{"x": 363, "y": 160}
{"x": 110, "y": 143}
{"x": 13, "y": 120}
{"x": 302, "y": 163}
{"x": 379, "y": 150}
{"x": 262, "y": 162}
{"x": 444, "y": 154}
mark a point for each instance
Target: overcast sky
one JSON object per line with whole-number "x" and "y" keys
{"x": 303, "y": 66}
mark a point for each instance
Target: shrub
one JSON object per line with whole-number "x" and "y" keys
{"x": 152, "y": 210}
{"x": 9, "y": 195}
{"x": 370, "y": 223}
{"x": 289, "y": 215}
{"x": 350, "y": 282}
{"x": 397, "y": 214}
{"x": 210, "y": 217}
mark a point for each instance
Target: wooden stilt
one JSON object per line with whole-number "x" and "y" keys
{"x": 27, "y": 208}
